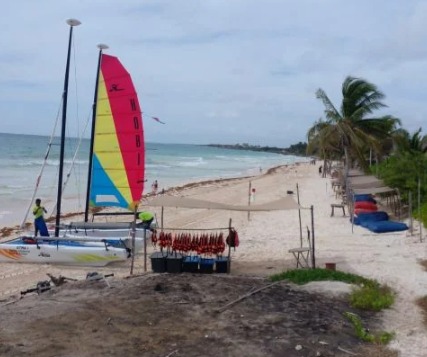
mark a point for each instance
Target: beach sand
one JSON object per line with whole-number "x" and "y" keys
{"x": 266, "y": 237}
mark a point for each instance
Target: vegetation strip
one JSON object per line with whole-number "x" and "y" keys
{"x": 368, "y": 295}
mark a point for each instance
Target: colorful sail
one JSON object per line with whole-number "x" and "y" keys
{"x": 118, "y": 152}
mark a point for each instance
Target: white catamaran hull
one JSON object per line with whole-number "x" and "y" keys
{"x": 127, "y": 242}
{"x": 64, "y": 253}
{"x": 110, "y": 235}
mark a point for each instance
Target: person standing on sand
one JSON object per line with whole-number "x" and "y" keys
{"x": 39, "y": 223}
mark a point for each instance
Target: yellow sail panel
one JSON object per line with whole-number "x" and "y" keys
{"x": 108, "y": 159}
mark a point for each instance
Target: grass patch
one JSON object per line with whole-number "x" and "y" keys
{"x": 422, "y": 303}
{"x": 304, "y": 276}
{"x": 373, "y": 298}
{"x": 368, "y": 295}
{"x": 423, "y": 263}
{"x": 382, "y": 337}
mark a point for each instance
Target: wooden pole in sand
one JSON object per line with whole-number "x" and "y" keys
{"x": 133, "y": 234}
{"x": 145, "y": 250}
{"x": 351, "y": 208}
{"x": 161, "y": 219}
{"x": 249, "y": 199}
{"x": 313, "y": 246}
{"x": 229, "y": 248}
{"x": 299, "y": 216}
{"x": 419, "y": 210}
{"x": 411, "y": 222}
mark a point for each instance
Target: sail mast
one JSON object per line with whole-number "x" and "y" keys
{"x": 92, "y": 133}
{"x": 71, "y": 23}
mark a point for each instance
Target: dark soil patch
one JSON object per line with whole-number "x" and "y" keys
{"x": 176, "y": 315}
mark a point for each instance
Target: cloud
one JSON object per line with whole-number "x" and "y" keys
{"x": 214, "y": 70}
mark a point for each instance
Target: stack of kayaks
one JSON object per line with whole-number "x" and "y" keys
{"x": 368, "y": 216}
{"x": 364, "y": 204}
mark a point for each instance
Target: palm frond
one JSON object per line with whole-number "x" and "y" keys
{"x": 331, "y": 112}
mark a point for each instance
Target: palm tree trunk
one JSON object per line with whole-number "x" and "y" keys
{"x": 325, "y": 167}
{"x": 347, "y": 162}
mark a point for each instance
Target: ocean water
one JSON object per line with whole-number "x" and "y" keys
{"x": 21, "y": 158}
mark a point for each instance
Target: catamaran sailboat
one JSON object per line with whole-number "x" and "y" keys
{"x": 116, "y": 174}
{"x": 117, "y": 155}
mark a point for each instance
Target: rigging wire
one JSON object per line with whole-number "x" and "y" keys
{"x": 49, "y": 145}
{"x": 78, "y": 171}
{"x": 77, "y": 147}
{"x": 67, "y": 177}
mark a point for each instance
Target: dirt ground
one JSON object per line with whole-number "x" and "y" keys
{"x": 179, "y": 315}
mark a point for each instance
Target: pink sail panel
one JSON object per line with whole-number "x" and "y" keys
{"x": 119, "y": 150}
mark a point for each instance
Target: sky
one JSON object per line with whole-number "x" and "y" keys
{"x": 215, "y": 71}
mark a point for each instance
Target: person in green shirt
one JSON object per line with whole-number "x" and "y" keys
{"x": 146, "y": 219}
{"x": 39, "y": 223}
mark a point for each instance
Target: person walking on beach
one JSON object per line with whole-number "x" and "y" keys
{"x": 39, "y": 223}
{"x": 146, "y": 220}
{"x": 155, "y": 187}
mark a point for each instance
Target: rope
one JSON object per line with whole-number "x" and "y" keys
{"x": 77, "y": 174}
{"x": 67, "y": 177}
{"x": 49, "y": 147}
{"x": 43, "y": 166}
{"x": 192, "y": 229}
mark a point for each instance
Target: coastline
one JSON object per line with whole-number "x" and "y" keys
{"x": 266, "y": 237}
{"x": 10, "y": 230}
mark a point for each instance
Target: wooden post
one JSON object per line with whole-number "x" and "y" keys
{"x": 229, "y": 249}
{"x": 161, "y": 219}
{"x": 133, "y": 235}
{"x": 420, "y": 221}
{"x": 299, "y": 216}
{"x": 313, "y": 246}
{"x": 249, "y": 199}
{"x": 145, "y": 250}
{"x": 411, "y": 222}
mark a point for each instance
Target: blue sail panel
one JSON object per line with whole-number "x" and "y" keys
{"x": 103, "y": 192}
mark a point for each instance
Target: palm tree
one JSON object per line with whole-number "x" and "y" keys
{"x": 323, "y": 143}
{"x": 407, "y": 143}
{"x": 351, "y": 127}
